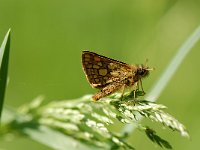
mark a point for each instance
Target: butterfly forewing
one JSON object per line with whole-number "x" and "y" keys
{"x": 101, "y": 71}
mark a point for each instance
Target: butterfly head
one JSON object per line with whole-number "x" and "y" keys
{"x": 143, "y": 70}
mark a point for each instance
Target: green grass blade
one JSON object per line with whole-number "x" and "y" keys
{"x": 55, "y": 139}
{"x": 169, "y": 71}
{"x": 173, "y": 65}
{"x": 42, "y": 134}
{"x": 4, "y": 57}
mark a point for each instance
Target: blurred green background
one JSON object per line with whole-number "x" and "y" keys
{"x": 47, "y": 38}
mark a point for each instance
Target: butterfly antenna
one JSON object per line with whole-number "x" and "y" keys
{"x": 151, "y": 69}
{"x": 146, "y": 61}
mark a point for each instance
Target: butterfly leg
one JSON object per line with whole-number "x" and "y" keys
{"x": 135, "y": 88}
{"x": 143, "y": 92}
{"x": 134, "y": 94}
{"x": 109, "y": 89}
{"x": 141, "y": 85}
{"x": 123, "y": 89}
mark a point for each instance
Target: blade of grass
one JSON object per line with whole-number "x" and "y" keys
{"x": 55, "y": 139}
{"x": 4, "y": 57}
{"x": 45, "y": 135}
{"x": 169, "y": 72}
{"x": 173, "y": 65}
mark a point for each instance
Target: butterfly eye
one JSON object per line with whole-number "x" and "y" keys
{"x": 141, "y": 71}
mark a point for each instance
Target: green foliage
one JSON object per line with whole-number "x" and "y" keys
{"x": 88, "y": 122}
{"x": 150, "y": 110}
{"x": 156, "y": 139}
{"x": 4, "y": 57}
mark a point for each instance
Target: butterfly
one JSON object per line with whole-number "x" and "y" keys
{"x": 109, "y": 75}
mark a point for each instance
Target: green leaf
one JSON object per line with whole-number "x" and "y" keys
{"x": 4, "y": 57}
{"x": 156, "y": 139}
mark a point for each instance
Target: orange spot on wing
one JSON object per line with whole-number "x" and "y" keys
{"x": 97, "y": 58}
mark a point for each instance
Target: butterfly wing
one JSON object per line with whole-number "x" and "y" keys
{"x": 101, "y": 71}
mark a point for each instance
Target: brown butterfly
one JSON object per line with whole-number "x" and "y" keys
{"x": 111, "y": 75}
